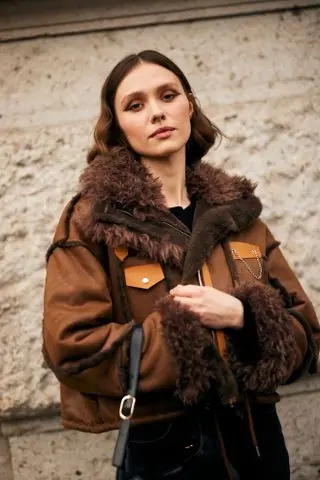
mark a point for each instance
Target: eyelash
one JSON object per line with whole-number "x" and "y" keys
{"x": 173, "y": 95}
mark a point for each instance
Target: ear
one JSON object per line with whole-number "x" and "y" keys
{"x": 191, "y": 107}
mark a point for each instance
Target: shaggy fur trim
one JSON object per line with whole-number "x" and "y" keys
{"x": 277, "y": 350}
{"x": 216, "y": 186}
{"x": 159, "y": 250}
{"x": 127, "y": 202}
{"x": 214, "y": 226}
{"x": 198, "y": 362}
{"x": 119, "y": 180}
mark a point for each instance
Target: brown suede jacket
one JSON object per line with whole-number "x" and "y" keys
{"x": 117, "y": 252}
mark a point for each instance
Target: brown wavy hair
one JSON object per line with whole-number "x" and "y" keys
{"x": 108, "y": 137}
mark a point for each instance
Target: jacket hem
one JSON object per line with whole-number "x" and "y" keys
{"x": 102, "y": 427}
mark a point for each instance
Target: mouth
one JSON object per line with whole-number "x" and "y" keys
{"x": 163, "y": 132}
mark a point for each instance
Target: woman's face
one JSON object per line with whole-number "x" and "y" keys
{"x": 150, "y": 98}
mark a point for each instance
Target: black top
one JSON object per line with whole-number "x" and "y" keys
{"x": 185, "y": 215}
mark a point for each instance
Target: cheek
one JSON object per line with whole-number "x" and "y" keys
{"x": 132, "y": 129}
{"x": 182, "y": 110}
{"x": 181, "y": 114}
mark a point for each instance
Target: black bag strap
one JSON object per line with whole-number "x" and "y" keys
{"x": 128, "y": 402}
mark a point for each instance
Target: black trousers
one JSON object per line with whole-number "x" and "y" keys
{"x": 189, "y": 448}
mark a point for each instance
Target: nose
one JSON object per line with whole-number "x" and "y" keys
{"x": 156, "y": 112}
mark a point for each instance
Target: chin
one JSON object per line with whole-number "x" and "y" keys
{"x": 166, "y": 150}
{"x": 165, "y": 153}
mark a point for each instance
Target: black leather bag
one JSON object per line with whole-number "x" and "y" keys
{"x": 180, "y": 450}
{"x": 187, "y": 448}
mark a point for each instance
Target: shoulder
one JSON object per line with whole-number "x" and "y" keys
{"x": 74, "y": 228}
{"x": 74, "y": 218}
{"x": 259, "y": 234}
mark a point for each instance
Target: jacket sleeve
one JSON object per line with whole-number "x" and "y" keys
{"x": 82, "y": 344}
{"x": 280, "y": 338}
{"x": 301, "y": 314}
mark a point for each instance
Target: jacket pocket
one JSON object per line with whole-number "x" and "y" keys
{"x": 145, "y": 285}
{"x": 248, "y": 260}
{"x": 143, "y": 276}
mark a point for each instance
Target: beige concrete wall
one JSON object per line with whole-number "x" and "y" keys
{"x": 256, "y": 77}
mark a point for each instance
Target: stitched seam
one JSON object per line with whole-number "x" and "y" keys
{"x": 70, "y": 210}
{"x": 165, "y": 270}
{"x": 310, "y": 355}
{"x": 231, "y": 263}
{"x": 93, "y": 361}
{"x": 271, "y": 247}
{"x": 66, "y": 226}
{"x": 123, "y": 369}
{"x": 69, "y": 244}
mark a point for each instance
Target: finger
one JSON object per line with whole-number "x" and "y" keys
{"x": 186, "y": 290}
{"x": 189, "y": 301}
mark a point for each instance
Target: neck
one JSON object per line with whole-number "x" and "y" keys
{"x": 171, "y": 171}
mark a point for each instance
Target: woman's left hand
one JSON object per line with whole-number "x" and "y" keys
{"x": 216, "y": 309}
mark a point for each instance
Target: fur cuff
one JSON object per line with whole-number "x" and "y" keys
{"x": 197, "y": 360}
{"x": 262, "y": 355}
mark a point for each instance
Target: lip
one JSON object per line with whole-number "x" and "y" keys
{"x": 162, "y": 130}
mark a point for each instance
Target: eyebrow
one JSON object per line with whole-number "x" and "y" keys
{"x": 138, "y": 93}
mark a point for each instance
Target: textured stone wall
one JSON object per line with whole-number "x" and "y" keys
{"x": 40, "y": 450}
{"x": 257, "y": 77}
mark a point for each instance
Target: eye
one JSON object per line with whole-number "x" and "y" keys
{"x": 134, "y": 107}
{"x": 170, "y": 96}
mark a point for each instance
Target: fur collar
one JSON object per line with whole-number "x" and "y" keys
{"x": 117, "y": 182}
{"x": 128, "y": 209}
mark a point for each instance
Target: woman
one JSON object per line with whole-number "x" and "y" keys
{"x": 160, "y": 243}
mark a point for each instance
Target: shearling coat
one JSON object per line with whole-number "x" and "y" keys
{"x": 116, "y": 253}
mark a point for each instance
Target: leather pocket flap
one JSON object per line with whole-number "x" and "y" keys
{"x": 245, "y": 250}
{"x": 143, "y": 276}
